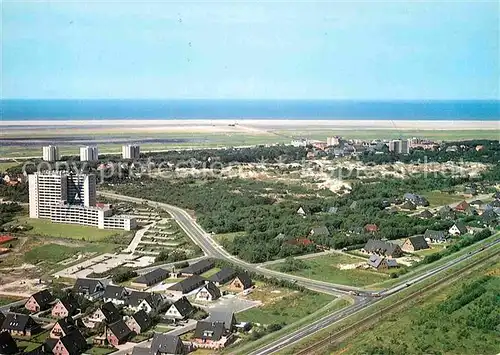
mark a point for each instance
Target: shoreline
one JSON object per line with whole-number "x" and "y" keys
{"x": 209, "y": 124}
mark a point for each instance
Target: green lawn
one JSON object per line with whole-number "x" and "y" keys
{"x": 44, "y": 227}
{"x": 8, "y": 299}
{"x": 53, "y": 253}
{"x": 210, "y": 272}
{"x": 227, "y": 236}
{"x": 438, "y": 198}
{"x": 434, "y": 249}
{"x": 286, "y": 310}
{"x": 100, "y": 351}
{"x": 325, "y": 268}
{"x": 462, "y": 319}
{"x": 28, "y": 344}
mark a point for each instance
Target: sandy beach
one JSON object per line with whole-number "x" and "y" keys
{"x": 218, "y": 125}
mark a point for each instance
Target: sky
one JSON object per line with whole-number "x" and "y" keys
{"x": 352, "y": 50}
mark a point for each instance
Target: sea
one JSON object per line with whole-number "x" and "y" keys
{"x": 68, "y": 110}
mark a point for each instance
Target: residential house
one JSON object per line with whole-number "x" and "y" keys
{"x": 115, "y": 294}
{"x": 198, "y": 268}
{"x": 108, "y": 313}
{"x": 225, "y": 317}
{"x": 65, "y": 307}
{"x": 462, "y": 206}
{"x": 209, "y": 292}
{"x": 39, "y": 301}
{"x": 380, "y": 263}
{"x": 180, "y": 309}
{"x": 139, "y": 322}
{"x": 151, "y": 278}
{"x": 371, "y": 228}
{"x": 319, "y": 232}
{"x": 223, "y": 276}
{"x": 408, "y": 205}
{"x": 425, "y": 214}
{"x": 211, "y": 335}
{"x": 333, "y": 210}
{"x": 384, "y": 248}
{"x": 241, "y": 282}
{"x": 8, "y": 345}
{"x": 73, "y": 343}
{"x": 62, "y": 328}
{"x": 135, "y": 299}
{"x": 496, "y": 195}
{"x": 471, "y": 211}
{"x": 118, "y": 333}
{"x": 457, "y": 229}
{"x": 153, "y": 303}
{"x": 89, "y": 288}
{"x": 476, "y": 203}
{"x": 301, "y": 212}
{"x": 415, "y": 243}
{"x": 20, "y": 324}
{"x": 489, "y": 217}
{"x": 166, "y": 344}
{"x": 187, "y": 285}
{"x": 432, "y": 236}
{"x": 417, "y": 200}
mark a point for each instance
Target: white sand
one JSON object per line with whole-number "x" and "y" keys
{"x": 221, "y": 125}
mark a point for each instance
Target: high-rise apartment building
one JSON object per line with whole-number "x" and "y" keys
{"x": 130, "y": 151}
{"x": 50, "y": 153}
{"x": 71, "y": 198}
{"x": 400, "y": 146}
{"x": 89, "y": 153}
{"x": 333, "y": 141}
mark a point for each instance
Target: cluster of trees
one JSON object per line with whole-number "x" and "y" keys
{"x": 292, "y": 264}
{"x": 264, "y": 210}
{"x": 8, "y": 212}
{"x": 465, "y": 151}
{"x": 123, "y": 275}
{"x": 17, "y": 193}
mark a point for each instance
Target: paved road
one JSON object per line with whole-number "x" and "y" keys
{"x": 205, "y": 241}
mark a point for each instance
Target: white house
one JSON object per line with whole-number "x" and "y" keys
{"x": 458, "y": 229}
{"x": 209, "y": 292}
{"x": 180, "y": 309}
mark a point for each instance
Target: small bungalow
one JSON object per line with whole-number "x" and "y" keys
{"x": 371, "y": 228}
{"x": 414, "y": 243}
{"x": 457, "y": 229}
{"x": 115, "y": 294}
{"x": 319, "y": 232}
{"x": 380, "y": 263}
{"x": 166, "y": 344}
{"x": 65, "y": 307}
{"x": 209, "y": 292}
{"x": 8, "y": 345}
{"x": 384, "y": 248}
{"x": 39, "y": 301}
{"x": 223, "y": 276}
{"x": 462, "y": 206}
{"x": 425, "y": 214}
{"x": 62, "y": 328}
{"x": 198, "y": 268}
{"x": 241, "y": 282}
{"x": 139, "y": 322}
{"x": 151, "y": 278}
{"x": 91, "y": 289}
{"x": 211, "y": 335}
{"x": 180, "y": 309}
{"x": 432, "y": 236}
{"x": 187, "y": 285}
{"x": 20, "y": 324}
{"x": 118, "y": 333}
{"x": 225, "y": 317}
{"x": 73, "y": 343}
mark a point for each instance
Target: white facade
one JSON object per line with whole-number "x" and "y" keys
{"x": 130, "y": 151}
{"x": 89, "y": 153}
{"x": 300, "y": 142}
{"x": 71, "y": 198}
{"x": 333, "y": 141}
{"x": 50, "y": 153}
{"x": 172, "y": 312}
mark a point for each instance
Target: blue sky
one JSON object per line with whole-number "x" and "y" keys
{"x": 267, "y": 50}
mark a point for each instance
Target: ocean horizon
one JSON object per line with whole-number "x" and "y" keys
{"x": 71, "y": 110}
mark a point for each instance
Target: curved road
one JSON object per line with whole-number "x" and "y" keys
{"x": 211, "y": 248}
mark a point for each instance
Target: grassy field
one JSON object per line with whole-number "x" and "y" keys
{"x": 438, "y": 198}
{"x": 8, "y": 299}
{"x": 44, "y": 227}
{"x": 55, "y": 253}
{"x": 287, "y": 309}
{"x": 452, "y": 321}
{"x": 227, "y": 236}
{"x": 5, "y": 165}
{"x": 210, "y": 272}
{"x": 434, "y": 249}
{"x": 325, "y": 268}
